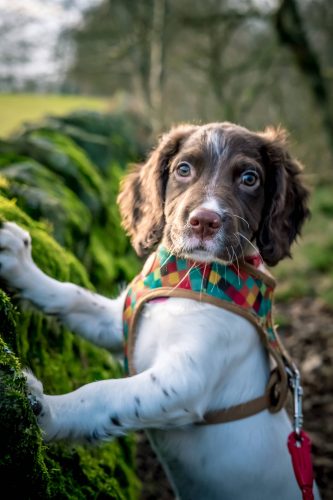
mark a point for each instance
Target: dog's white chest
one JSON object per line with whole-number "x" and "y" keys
{"x": 211, "y": 462}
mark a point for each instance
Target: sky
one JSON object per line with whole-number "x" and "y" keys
{"x": 30, "y": 41}
{"x": 33, "y": 47}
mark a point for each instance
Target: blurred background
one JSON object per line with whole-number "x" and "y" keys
{"x": 86, "y": 87}
{"x": 251, "y": 61}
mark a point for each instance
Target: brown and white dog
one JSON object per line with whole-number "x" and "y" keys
{"x": 206, "y": 192}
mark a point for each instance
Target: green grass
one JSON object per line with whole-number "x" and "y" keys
{"x": 16, "y": 109}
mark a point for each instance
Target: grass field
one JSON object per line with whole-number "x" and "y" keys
{"x": 15, "y": 109}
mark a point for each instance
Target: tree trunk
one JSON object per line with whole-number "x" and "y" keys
{"x": 292, "y": 33}
{"x": 157, "y": 47}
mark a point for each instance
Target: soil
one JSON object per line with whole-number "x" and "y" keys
{"x": 308, "y": 336}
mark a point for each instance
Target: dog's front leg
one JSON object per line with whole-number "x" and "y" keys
{"x": 92, "y": 316}
{"x": 171, "y": 393}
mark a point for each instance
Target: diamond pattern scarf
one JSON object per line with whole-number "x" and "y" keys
{"x": 242, "y": 289}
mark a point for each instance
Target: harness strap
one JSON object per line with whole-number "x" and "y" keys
{"x": 275, "y": 393}
{"x": 277, "y": 387}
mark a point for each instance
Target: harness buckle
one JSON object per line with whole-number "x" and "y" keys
{"x": 294, "y": 380}
{"x": 276, "y": 391}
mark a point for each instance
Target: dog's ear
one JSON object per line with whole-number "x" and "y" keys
{"x": 142, "y": 192}
{"x": 286, "y": 199}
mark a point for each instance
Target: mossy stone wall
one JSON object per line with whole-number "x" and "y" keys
{"x": 59, "y": 180}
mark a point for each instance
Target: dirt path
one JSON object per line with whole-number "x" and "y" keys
{"x": 308, "y": 335}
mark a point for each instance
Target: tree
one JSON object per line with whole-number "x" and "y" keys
{"x": 292, "y": 33}
{"x": 213, "y": 60}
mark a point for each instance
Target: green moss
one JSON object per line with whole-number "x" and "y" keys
{"x": 50, "y": 186}
{"x": 61, "y": 155}
{"x": 118, "y": 137}
{"x": 44, "y": 195}
{"x": 63, "y": 362}
{"x": 8, "y": 320}
{"x": 54, "y": 186}
{"x": 28, "y": 469}
{"x": 47, "y": 253}
{"x": 109, "y": 241}
{"x": 20, "y": 440}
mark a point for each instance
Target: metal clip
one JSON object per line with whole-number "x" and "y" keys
{"x": 294, "y": 379}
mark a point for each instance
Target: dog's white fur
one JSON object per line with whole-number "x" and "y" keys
{"x": 190, "y": 358}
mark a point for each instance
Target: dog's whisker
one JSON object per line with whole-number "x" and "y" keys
{"x": 230, "y": 259}
{"x": 237, "y": 216}
{"x": 202, "y": 280}
{"x": 252, "y": 245}
{"x": 240, "y": 245}
{"x": 171, "y": 250}
{"x": 194, "y": 266}
{"x": 212, "y": 269}
{"x": 234, "y": 253}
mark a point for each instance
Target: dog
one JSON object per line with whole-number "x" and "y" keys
{"x": 215, "y": 192}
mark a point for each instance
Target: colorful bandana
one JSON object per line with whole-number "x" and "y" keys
{"x": 241, "y": 289}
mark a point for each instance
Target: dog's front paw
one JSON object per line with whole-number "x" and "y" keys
{"x": 15, "y": 252}
{"x": 38, "y": 403}
{"x": 35, "y": 392}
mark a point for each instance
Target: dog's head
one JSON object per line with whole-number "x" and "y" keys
{"x": 214, "y": 191}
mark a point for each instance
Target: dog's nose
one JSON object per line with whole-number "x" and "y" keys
{"x": 204, "y": 222}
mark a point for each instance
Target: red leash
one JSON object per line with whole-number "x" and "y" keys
{"x": 299, "y": 447}
{"x": 299, "y": 444}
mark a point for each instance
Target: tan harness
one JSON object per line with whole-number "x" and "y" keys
{"x": 245, "y": 291}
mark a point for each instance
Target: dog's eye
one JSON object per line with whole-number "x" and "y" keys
{"x": 184, "y": 169}
{"x": 249, "y": 178}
